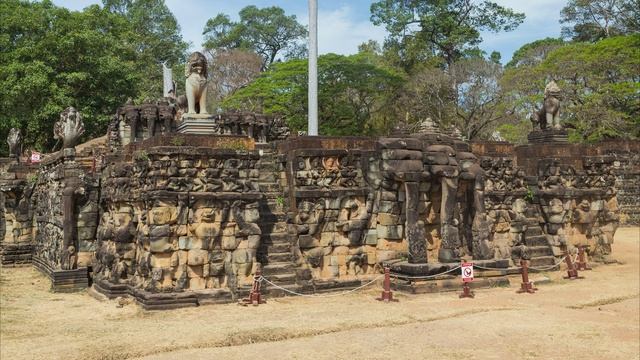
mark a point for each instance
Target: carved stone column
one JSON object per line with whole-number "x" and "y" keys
{"x": 450, "y": 238}
{"x": 414, "y": 227}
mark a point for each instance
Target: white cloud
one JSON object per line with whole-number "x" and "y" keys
{"x": 339, "y": 33}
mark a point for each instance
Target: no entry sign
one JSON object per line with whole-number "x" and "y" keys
{"x": 467, "y": 272}
{"x": 35, "y": 157}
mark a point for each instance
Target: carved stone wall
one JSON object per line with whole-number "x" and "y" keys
{"x": 196, "y": 215}
{"x": 176, "y": 218}
{"x": 16, "y": 212}
{"x": 65, "y": 205}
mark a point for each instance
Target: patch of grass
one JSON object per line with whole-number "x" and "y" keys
{"x": 605, "y": 301}
{"x": 142, "y": 156}
{"x": 32, "y": 178}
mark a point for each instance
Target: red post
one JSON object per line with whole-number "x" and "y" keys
{"x": 387, "y": 295}
{"x": 255, "y": 297}
{"x": 582, "y": 259}
{"x": 466, "y": 291}
{"x": 572, "y": 273}
{"x": 466, "y": 271}
{"x": 526, "y": 286}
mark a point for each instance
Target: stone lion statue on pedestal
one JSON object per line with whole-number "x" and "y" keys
{"x": 196, "y": 84}
{"x": 549, "y": 114}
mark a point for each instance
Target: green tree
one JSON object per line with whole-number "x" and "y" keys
{"x": 474, "y": 106}
{"x": 534, "y": 52}
{"x": 52, "y": 58}
{"x": 592, "y": 20}
{"x": 353, "y": 95}
{"x": 267, "y": 31}
{"x": 92, "y": 59}
{"x": 154, "y": 33}
{"x": 447, "y": 28}
{"x": 600, "y": 84}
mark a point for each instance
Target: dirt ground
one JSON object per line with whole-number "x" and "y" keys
{"x": 594, "y": 318}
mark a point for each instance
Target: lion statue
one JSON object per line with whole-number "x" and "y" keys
{"x": 196, "y": 84}
{"x": 549, "y": 114}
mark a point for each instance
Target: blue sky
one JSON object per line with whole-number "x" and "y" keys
{"x": 343, "y": 25}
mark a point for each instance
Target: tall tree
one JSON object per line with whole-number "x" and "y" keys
{"x": 534, "y": 52}
{"x": 592, "y": 20}
{"x": 353, "y": 94}
{"x": 267, "y": 31}
{"x": 52, "y": 58}
{"x": 600, "y": 84}
{"x": 447, "y": 28}
{"x": 474, "y": 106}
{"x": 154, "y": 33}
{"x": 229, "y": 71}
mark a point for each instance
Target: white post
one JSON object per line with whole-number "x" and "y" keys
{"x": 313, "y": 68}
{"x": 167, "y": 80}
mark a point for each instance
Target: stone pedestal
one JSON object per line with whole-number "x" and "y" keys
{"x": 548, "y": 135}
{"x": 199, "y": 124}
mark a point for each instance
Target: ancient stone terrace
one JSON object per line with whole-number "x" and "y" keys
{"x": 175, "y": 218}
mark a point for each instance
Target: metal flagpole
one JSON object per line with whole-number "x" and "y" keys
{"x": 313, "y": 68}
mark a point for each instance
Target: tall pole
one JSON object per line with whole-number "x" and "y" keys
{"x": 313, "y": 68}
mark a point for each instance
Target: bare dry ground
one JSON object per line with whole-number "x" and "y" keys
{"x": 594, "y": 318}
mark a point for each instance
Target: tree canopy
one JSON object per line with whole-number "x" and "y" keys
{"x": 600, "y": 83}
{"x": 447, "y": 28}
{"x": 53, "y": 58}
{"x": 592, "y": 20}
{"x": 352, "y": 94}
{"x": 267, "y": 31}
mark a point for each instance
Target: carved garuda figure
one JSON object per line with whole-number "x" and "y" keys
{"x": 196, "y": 84}
{"x": 15, "y": 142}
{"x": 69, "y": 128}
{"x": 549, "y": 114}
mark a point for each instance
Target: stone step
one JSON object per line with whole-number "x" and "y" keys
{"x": 534, "y": 231}
{"x": 275, "y": 292}
{"x": 278, "y": 248}
{"x": 537, "y": 251}
{"x": 278, "y": 269}
{"x": 279, "y": 257}
{"x": 537, "y": 240}
{"x": 542, "y": 261}
{"x": 273, "y": 227}
{"x": 276, "y": 238}
{"x": 281, "y": 279}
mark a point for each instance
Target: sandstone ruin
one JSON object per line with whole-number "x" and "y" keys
{"x": 180, "y": 209}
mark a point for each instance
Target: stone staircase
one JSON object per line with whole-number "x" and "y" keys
{"x": 540, "y": 250}
{"x": 275, "y": 252}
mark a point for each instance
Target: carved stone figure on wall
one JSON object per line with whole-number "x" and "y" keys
{"x": 166, "y": 114}
{"x": 549, "y": 114}
{"x": 196, "y": 84}
{"x": 149, "y": 116}
{"x": 15, "y": 143}
{"x": 69, "y": 128}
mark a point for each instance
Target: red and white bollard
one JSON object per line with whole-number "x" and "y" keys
{"x": 255, "y": 297}
{"x": 572, "y": 273}
{"x": 466, "y": 270}
{"x": 387, "y": 294}
{"x": 526, "y": 286}
{"x": 582, "y": 259}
